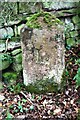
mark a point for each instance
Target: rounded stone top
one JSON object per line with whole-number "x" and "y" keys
{"x": 42, "y": 19}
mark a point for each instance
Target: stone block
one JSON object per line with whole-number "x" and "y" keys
{"x": 43, "y": 52}
{"x": 4, "y": 32}
{"x": 43, "y": 55}
{"x": 16, "y": 51}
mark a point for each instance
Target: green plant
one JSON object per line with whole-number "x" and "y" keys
{"x": 20, "y": 106}
{"x": 6, "y": 57}
{"x": 77, "y": 78}
{"x": 9, "y": 115}
{"x": 77, "y": 62}
{"x": 15, "y": 88}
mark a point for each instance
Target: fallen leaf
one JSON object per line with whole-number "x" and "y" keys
{"x": 57, "y": 111}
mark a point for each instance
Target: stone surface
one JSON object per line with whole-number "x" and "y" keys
{"x": 19, "y": 28}
{"x": 60, "y": 4}
{"x": 43, "y": 54}
{"x": 4, "y": 32}
{"x": 11, "y": 45}
{"x": 14, "y": 52}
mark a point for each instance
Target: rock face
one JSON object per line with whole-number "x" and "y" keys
{"x": 43, "y": 54}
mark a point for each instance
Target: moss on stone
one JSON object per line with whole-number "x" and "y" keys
{"x": 14, "y": 52}
{"x": 17, "y": 67}
{"x": 76, "y": 19}
{"x": 17, "y": 58}
{"x": 43, "y": 86}
{"x": 5, "y": 60}
{"x": 36, "y": 20}
{"x": 48, "y": 85}
{"x": 17, "y": 61}
{"x": 15, "y": 39}
{"x": 10, "y": 77}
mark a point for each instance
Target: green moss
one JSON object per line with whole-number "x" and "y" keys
{"x": 17, "y": 62}
{"x": 17, "y": 58}
{"x": 43, "y": 86}
{"x": 10, "y": 77}
{"x": 17, "y": 67}
{"x": 5, "y": 60}
{"x": 14, "y": 52}
{"x": 15, "y": 39}
{"x": 49, "y": 19}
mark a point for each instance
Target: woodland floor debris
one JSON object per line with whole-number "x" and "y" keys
{"x": 50, "y": 106}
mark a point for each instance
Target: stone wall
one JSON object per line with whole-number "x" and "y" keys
{"x": 68, "y": 12}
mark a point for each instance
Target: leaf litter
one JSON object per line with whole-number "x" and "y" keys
{"x": 64, "y": 105}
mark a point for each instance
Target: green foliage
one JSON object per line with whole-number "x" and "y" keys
{"x": 15, "y": 88}
{"x": 6, "y": 57}
{"x": 10, "y": 77}
{"x": 48, "y": 18}
{"x": 77, "y": 62}
{"x": 20, "y": 106}
{"x": 9, "y": 116}
{"x": 43, "y": 86}
{"x": 70, "y": 42}
{"x": 77, "y": 78}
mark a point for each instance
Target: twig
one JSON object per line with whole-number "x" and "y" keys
{"x": 28, "y": 100}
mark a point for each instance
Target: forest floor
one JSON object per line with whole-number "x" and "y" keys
{"x": 63, "y": 105}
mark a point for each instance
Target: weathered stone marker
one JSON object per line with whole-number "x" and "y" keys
{"x": 43, "y": 56}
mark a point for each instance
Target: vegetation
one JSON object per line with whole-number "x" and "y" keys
{"x": 43, "y": 86}
{"x": 35, "y": 21}
{"x": 16, "y": 100}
